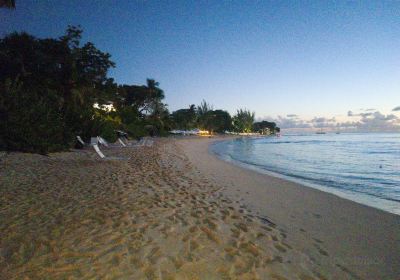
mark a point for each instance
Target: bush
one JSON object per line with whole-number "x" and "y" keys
{"x": 136, "y": 130}
{"x": 108, "y": 131}
{"x": 31, "y": 122}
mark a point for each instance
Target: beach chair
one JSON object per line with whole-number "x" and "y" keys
{"x": 149, "y": 143}
{"x": 94, "y": 142}
{"x": 142, "y": 142}
{"x": 79, "y": 144}
{"x": 102, "y": 141}
{"x": 80, "y": 140}
{"x": 121, "y": 142}
{"x": 121, "y": 137}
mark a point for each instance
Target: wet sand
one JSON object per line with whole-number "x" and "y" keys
{"x": 337, "y": 234}
{"x": 172, "y": 211}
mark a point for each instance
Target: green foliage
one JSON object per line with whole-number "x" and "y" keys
{"x": 220, "y": 121}
{"x": 204, "y": 117}
{"x": 265, "y": 127}
{"x": 136, "y": 129}
{"x": 204, "y": 108}
{"x": 243, "y": 121}
{"x": 28, "y": 123}
{"x": 184, "y": 118}
{"x": 9, "y": 4}
{"x": 108, "y": 122}
{"x": 141, "y": 106}
{"x": 215, "y": 121}
{"x": 49, "y": 88}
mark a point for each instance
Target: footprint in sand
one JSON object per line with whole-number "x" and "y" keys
{"x": 318, "y": 241}
{"x": 280, "y": 248}
{"x": 321, "y": 250}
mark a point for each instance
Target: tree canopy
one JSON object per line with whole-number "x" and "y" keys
{"x": 264, "y": 127}
{"x": 243, "y": 121}
{"x": 10, "y": 4}
{"x": 53, "y": 89}
{"x": 49, "y": 88}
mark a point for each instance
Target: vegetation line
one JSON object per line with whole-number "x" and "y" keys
{"x": 56, "y": 88}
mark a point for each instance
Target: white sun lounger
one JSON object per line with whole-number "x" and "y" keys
{"x": 102, "y": 141}
{"x": 142, "y": 142}
{"x": 149, "y": 143}
{"x": 122, "y": 137}
{"x": 121, "y": 142}
{"x": 94, "y": 141}
{"x": 80, "y": 140}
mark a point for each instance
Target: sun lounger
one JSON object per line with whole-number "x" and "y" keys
{"x": 79, "y": 143}
{"x": 122, "y": 137}
{"x": 142, "y": 142}
{"x": 121, "y": 142}
{"x": 149, "y": 143}
{"x": 102, "y": 141}
{"x": 94, "y": 142}
{"x": 80, "y": 140}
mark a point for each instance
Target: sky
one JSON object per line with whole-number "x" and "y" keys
{"x": 303, "y": 64}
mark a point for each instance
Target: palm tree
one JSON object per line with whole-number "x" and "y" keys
{"x": 204, "y": 108}
{"x": 204, "y": 116}
{"x": 10, "y": 4}
{"x": 152, "y": 85}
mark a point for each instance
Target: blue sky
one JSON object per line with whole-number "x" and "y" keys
{"x": 312, "y": 59}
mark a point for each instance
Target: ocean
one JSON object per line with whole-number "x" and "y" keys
{"x": 363, "y": 167}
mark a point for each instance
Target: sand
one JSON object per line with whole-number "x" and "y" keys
{"x": 338, "y": 234}
{"x": 170, "y": 211}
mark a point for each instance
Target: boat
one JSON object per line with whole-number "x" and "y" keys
{"x": 321, "y": 132}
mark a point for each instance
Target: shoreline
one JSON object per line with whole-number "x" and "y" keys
{"x": 318, "y": 223}
{"x": 360, "y": 198}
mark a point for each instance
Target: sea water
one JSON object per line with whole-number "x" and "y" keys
{"x": 361, "y": 167}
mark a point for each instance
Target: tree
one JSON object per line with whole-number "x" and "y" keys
{"x": 204, "y": 108}
{"x": 53, "y": 81}
{"x": 143, "y": 99}
{"x": 184, "y": 118}
{"x": 218, "y": 121}
{"x": 159, "y": 119}
{"x": 141, "y": 106}
{"x": 204, "y": 115}
{"x": 265, "y": 127}
{"x": 243, "y": 121}
{"x": 10, "y": 4}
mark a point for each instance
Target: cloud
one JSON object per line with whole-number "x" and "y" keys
{"x": 320, "y": 122}
{"x": 291, "y": 122}
{"x": 396, "y": 108}
{"x": 370, "y": 109}
{"x": 352, "y": 114}
{"x": 375, "y": 122}
{"x": 366, "y": 114}
{"x": 368, "y": 121}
